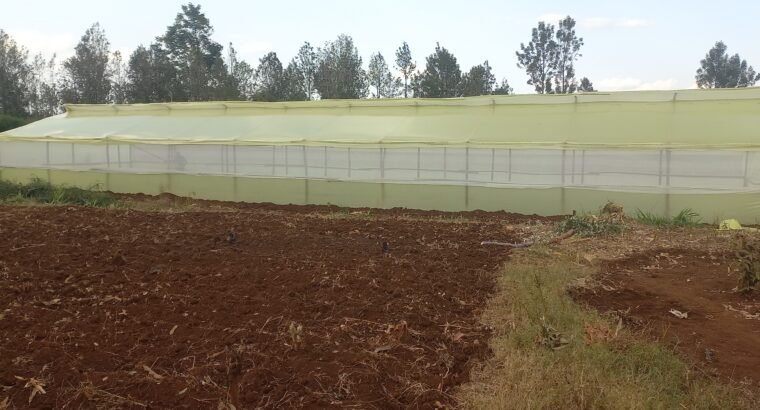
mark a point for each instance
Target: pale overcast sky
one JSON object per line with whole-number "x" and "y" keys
{"x": 641, "y": 44}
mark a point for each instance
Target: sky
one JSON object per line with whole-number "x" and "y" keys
{"x": 629, "y": 44}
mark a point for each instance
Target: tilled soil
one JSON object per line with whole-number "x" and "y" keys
{"x": 721, "y": 332}
{"x": 270, "y": 308}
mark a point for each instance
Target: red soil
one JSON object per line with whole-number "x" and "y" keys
{"x": 131, "y": 309}
{"x": 722, "y": 331}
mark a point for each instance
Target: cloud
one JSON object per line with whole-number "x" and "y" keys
{"x": 632, "y": 83}
{"x": 60, "y": 44}
{"x": 592, "y": 23}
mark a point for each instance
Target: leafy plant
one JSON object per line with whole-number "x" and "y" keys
{"x": 590, "y": 225}
{"x": 748, "y": 257}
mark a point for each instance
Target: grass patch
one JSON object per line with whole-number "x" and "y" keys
{"x": 687, "y": 217}
{"x": 590, "y": 225}
{"x": 530, "y": 369}
{"x": 43, "y": 192}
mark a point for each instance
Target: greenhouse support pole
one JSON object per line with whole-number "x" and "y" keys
{"x": 667, "y": 182}
{"x": 445, "y": 175}
{"x": 509, "y": 165}
{"x": 467, "y": 178}
{"x": 305, "y": 162}
{"x": 583, "y": 167}
{"x": 493, "y": 162}
{"x": 118, "y": 154}
{"x": 47, "y": 161}
{"x": 562, "y": 200}
{"x": 274, "y": 164}
{"x": 73, "y": 156}
{"x": 235, "y": 173}
{"x": 746, "y": 168}
{"x": 418, "y": 163}
{"x": 108, "y": 166}
{"x": 325, "y": 166}
{"x": 349, "y": 162}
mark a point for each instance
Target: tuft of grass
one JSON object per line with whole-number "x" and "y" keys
{"x": 41, "y": 191}
{"x": 686, "y": 217}
{"x": 620, "y": 371}
{"x": 589, "y": 225}
{"x": 748, "y": 259}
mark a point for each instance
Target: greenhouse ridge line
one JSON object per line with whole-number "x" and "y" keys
{"x": 522, "y": 99}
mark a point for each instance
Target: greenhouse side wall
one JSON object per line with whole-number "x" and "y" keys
{"x": 541, "y": 201}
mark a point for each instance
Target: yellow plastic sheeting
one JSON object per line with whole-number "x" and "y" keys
{"x": 744, "y": 207}
{"x": 706, "y": 119}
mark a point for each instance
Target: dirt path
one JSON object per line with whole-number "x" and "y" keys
{"x": 722, "y": 329}
{"x": 119, "y": 308}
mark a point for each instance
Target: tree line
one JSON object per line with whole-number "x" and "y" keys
{"x": 186, "y": 64}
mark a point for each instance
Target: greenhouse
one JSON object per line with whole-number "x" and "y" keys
{"x": 658, "y": 151}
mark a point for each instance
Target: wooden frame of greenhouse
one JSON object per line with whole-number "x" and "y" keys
{"x": 658, "y": 151}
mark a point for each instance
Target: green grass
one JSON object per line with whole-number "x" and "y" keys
{"x": 624, "y": 372}
{"x": 589, "y": 225}
{"x": 687, "y": 217}
{"x": 43, "y": 192}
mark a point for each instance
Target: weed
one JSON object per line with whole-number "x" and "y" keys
{"x": 748, "y": 257}
{"x": 687, "y": 217}
{"x": 41, "y": 191}
{"x": 590, "y": 225}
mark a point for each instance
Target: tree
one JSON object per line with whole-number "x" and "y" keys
{"x": 197, "y": 59}
{"x": 586, "y": 86}
{"x": 339, "y": 73}
{"x": 442, "y": 75}
{"x": 14, "y": 72}
{"x": 405, "y": 64}
{"x": 86, "y": 79}
{"x": 381, "y": 79}
{"x": 241, "y": 76}
{"x": 503, "y": 88}
{"x": 44, "y": 99}
{"x": 539, "y": 57}
{"x": 718, "y": 70}
{"x": 293, "y": 88}
{"x": 118, "y": 73}
{"x": 151, "y": 76}
{"x": 268, "y": 79}
{"x": 478, "y": 81}
{"x": 568, "y": 51}
{"x": 305, "y": 66}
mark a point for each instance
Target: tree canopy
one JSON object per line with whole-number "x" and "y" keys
{"x": 719, "y": 70}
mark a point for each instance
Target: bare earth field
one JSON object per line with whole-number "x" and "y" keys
{"x": 118, "y": 308}
{"x": 177, "y": 303}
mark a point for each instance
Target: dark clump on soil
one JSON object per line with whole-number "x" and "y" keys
{"x": 721, "y": 329}
{"x": 263, "y": 307}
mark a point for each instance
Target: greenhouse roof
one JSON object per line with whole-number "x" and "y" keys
{"x": 727, "y": 118}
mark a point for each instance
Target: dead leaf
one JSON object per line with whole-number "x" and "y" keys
{"x": 36, "y": 385}
{"x": 679, "y": 314}
{"x": 52, "y": 302}
{"x": 152, "y": 373}
{"x": 5, "y": 404}
{"x": 382, "y": 349}
{"x": 171, "y": 332}
{"x": 183, "y": 391}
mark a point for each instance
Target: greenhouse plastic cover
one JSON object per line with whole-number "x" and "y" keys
{"x": 687, "y": 119}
